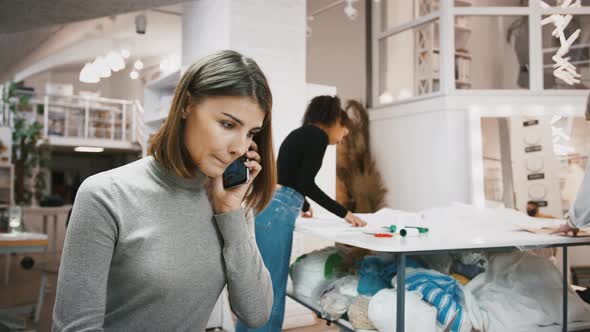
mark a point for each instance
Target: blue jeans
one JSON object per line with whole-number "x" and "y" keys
{"x": 274, "y": 236}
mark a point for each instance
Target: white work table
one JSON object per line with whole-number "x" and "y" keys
{"x": 455, "y": 228}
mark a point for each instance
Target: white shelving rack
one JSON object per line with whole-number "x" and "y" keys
{"x": 427, "y": 47}
{"x": 157, "y": 98}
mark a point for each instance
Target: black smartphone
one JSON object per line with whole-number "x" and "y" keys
{"x": 236, "y": 173}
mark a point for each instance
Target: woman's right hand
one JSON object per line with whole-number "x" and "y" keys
{"x": 227, "y": 200}
{"x": 565, "y": 228}
{"x": 354, "y": 220}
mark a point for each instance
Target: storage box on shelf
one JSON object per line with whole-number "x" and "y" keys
{"x": 428, "y": 50}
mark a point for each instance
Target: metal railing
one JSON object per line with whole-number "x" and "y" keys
{"x": 138, "y": 125}
{"x": 87, "y": 117}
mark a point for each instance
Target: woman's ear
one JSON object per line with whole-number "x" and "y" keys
{"x": 187, "y": 109}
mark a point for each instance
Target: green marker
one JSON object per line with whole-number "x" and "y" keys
{"x": 421, "y": 230}
{"x": 391, "y": 228}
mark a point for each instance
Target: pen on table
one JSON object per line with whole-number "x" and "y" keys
{"x": 421, "y": 230}
{"x": 380, "y": 234}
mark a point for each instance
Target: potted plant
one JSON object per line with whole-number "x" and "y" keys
{"x": 28, "y": 154}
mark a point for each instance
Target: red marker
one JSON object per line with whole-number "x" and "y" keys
{"x": 380, "y": 234}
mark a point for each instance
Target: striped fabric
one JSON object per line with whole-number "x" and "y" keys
{"x": 441, "y": 291}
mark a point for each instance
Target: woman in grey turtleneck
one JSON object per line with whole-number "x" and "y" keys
{"x": 151, "y": 245}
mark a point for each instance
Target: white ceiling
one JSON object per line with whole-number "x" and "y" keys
{"x": 27, "y": 25}
{"x": 25, "y": 15}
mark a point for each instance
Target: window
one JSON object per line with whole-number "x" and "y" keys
{"x": 393, "y": 13}
{"x": 491, "y": 52}
{"x": 579, "y": 54}
{"x": 409, "y": 63}
{"x": 493, "y": 49}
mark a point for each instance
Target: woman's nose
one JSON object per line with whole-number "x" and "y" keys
{"x": 239, "y": 146}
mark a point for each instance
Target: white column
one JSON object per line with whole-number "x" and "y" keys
{"x": 447, "y": 47}
{"x": 270, "y": 32}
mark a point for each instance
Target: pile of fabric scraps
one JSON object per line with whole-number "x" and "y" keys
{"x": 459, "y": 292}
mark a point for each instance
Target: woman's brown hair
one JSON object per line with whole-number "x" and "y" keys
{"x": 224, "y": 73}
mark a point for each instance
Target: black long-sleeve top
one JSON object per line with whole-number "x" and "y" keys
{"x": 299, "y": 161}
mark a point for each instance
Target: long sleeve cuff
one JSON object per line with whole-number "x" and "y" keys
{"x": 305, "y": 206}
{"x": 569, "y": 220}
{"x": 233, "y": 227}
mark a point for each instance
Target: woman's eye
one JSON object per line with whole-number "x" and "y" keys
{"x": 227, "y": 125}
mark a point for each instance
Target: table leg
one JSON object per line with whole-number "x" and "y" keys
{"x": 401, "y": 292}
{"x": 565, "y": 289}
{"x": 46, "y": 232}
{"x": 7, "y": 268}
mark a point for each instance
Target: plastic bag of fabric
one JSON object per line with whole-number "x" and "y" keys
{"x": 376, "y": 273}
{"x": 419, "y": 315}
{"x": 469, "y": 264}
{"x": 521, "y": 291}
{"x": 312, "y": 270}
{"x": 444, "y": 293}
{"x": 336, "y": 296}
{"x": 441, "y": 262}
{"x": 358, "y": 313}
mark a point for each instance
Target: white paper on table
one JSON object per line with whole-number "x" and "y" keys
{"x": 375, "y": 222}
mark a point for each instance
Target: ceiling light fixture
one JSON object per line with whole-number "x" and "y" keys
{"x": 138, "y": 64}
{"x": 88, "y": 74}
{"x": 102, "y": 68}
{"x": 91, "y": 149}
{"x": 350, "y": 11}
{"x": 140, "y": 24}
{"x": 115, "y": 61}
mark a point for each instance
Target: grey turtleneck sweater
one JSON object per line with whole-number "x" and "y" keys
{"x": 145, "y": 252}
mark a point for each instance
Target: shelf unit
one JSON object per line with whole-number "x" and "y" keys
{"x": 157, "y": 98}
{"x": 428, "y": 52}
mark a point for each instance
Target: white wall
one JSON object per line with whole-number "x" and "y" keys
{"x": 423, "y": 157}
{"x": 336, "y": 50}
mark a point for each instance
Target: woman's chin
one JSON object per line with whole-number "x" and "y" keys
{"x": 212, "y": 172}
